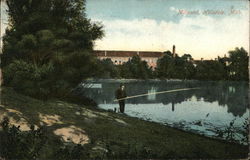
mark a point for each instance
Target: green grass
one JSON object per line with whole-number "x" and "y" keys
{"x": 133, "y": 139}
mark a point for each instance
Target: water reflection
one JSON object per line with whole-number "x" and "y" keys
{"x": 151, "y": 96}
{"x": 230, "y": 94}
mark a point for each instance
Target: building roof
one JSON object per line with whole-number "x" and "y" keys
{"x": 101, "y": 53}
{"x": 151, "y": 54}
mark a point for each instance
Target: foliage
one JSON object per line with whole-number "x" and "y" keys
{"x": 234, "y": 67}
{"x": 45, "y": 33}
{"x": 132, "y": 150}
{"x": 136, "y": 68}
{"x": 106, "y": 69}
{"x": 71, "y": 152}
{"x": 230, "y": 133}
{"x": 29, "y": 78}
{"x": 238, "y": 67}
{"x": 210, "y": 70}
{"x": 125, "y": 71}
{"x": 176, "y": 67}
{"x": 246, "y": 131}
{"x": 170, "y": 66}
{"x": 16, "y": 144}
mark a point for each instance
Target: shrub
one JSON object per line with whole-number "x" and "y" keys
{"x": 32, "y": 144}
{"x": 29, "y": 79}
{"x": 16, "y": 144}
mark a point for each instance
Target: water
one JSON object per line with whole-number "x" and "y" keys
{"x": 205, "y": 111}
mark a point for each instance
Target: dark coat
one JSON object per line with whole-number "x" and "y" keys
{"x": 120, "y": 93}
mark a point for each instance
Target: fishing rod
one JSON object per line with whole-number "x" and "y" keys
{"x": 146, "y": 94}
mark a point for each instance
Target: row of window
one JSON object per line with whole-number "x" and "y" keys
{"x": 147, "y": 60}
{"x": 120, "y": 62}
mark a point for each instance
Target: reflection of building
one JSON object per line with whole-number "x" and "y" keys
{"x": 119, "y": 57}
{"x": 151, "y": 94}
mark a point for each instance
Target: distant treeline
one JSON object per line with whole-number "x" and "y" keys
{"x": 234, "y": 67}
{"x": 48, "y": 46}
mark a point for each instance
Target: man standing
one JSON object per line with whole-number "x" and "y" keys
{"x": 121, "y": 93}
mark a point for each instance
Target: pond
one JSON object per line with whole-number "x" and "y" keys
{"x": 214, "y": 109}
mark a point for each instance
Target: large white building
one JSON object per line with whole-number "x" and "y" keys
{"x": 119, "y": 57}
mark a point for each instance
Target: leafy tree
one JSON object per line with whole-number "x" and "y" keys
{"x": 210, "y": 70}
{"x": 163, "y": 66}
{"x": 238, "y": 67}
{"x": 188, "y": 67}
{"x": 124, "y": 71}
{"x": 175, "y": 67}
{"x": 107, "y": 69}
{"x": 137, "y": 69}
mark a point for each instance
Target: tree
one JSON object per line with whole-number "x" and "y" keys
{"x": 51, "y": 32}
{"x": 238, "y": 68}
{"x": 210, "y": 70}
{"x": 107, "y": 69}
{"x": 188, "y": 67}
{"x": 175, "y": 67}
{"x": 164, "y": 66}
{"x": 124, "y": 71}
{"x": 46, "y": 27}
{"x": 224, "y": 62}
{"x": 136, "y": 68}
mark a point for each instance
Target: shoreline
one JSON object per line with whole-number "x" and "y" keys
{"x": 175, "y": 128}
{"x": 179, "y": 129}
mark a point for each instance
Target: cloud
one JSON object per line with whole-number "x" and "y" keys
{"x": 200, "y": 36}
{"x": 173, "y": 9}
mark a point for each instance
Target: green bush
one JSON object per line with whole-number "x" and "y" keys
{"x": 29, "y": 79}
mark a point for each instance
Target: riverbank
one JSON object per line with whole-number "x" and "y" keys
{"x": 109, "y": 134}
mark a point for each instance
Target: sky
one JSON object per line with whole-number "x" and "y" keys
{"x": 3, "y": 21}
{"x": 202, "y": 28}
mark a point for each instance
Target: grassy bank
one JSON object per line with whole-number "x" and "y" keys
{"x": 107, "y": 134}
